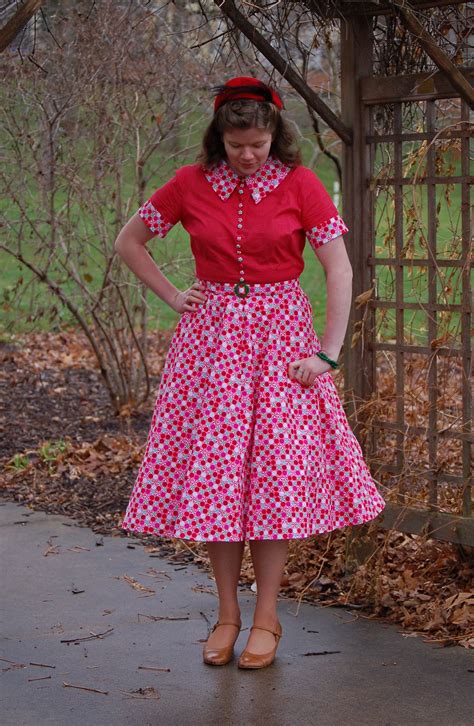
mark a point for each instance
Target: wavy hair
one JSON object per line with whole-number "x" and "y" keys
{"x": 247, "y": 114}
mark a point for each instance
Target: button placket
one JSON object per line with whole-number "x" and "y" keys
{"x": 240, "y": 225}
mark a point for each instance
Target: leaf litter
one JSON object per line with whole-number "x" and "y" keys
{"x": 424, "y": 585}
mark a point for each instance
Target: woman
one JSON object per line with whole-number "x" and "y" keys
{"x": 249, "y": 439}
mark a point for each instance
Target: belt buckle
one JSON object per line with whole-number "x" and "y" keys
{"x": 237, "y": 287}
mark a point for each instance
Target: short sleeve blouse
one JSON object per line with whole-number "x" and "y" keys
{"x": 251, "y": 228}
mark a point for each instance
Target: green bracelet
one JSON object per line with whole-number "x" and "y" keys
{"x": 323, "y": 356}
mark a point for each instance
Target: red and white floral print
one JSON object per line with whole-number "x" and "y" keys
{"x": 154, "y": 220}
{"x": 224, "y": 179}
{"x": 326, "y": 231}
{"x": 236, "y": 449}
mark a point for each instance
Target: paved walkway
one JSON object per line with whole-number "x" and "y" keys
{"x": 375, "y": 675}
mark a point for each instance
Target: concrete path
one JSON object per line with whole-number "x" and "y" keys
{"x": 374, "y": 676}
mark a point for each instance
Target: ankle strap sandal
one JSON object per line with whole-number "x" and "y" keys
{"x": 220, "y": 656}
{"x": 276, "y": 633}
{"x": 259, "y": 660}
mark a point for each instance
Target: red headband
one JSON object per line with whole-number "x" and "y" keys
{"x": 245, "y": 87}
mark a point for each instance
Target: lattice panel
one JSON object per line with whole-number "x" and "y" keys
{"x": 421, "y": 430}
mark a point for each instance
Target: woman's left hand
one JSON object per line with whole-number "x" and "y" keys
{"x": 306, "y": 370}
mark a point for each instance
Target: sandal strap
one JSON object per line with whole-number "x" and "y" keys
{"x": 257, "y": 627}
{"x": 216, "y": 625}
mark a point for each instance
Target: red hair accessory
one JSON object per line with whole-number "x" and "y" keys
{"x": 245, "y": 87}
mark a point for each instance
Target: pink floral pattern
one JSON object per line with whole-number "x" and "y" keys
{"x": 224, "y": 179}
{"x": 325, "y": 232}
{"x": 236, "y": 449}
{"x": 154, "y": 220}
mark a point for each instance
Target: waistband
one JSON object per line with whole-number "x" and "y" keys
{"x": 256, "y": 288}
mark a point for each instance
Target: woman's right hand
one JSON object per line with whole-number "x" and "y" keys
{"x": 188, "y": 300}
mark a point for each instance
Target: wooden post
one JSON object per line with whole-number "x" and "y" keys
{"x": 356, "y": 63}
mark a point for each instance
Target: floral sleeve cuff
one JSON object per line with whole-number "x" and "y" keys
{"x": 325, "y": 232}
{"x": 154, "y": 220}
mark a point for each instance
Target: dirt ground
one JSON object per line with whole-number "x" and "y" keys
{"x": 63, "y": 450}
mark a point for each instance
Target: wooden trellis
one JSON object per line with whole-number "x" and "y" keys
{"x": 365, "y": 97}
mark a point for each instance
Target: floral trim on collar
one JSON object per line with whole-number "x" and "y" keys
{"x": 224, "y": 179}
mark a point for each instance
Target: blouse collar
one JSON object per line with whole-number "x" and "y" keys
{"x": 224, "y": 179}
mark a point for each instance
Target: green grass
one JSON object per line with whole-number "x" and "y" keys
{"x": 50, "y": 450}
{"x": 18, "y": 462}
{"x": 176, "y": 244}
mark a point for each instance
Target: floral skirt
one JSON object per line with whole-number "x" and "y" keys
{"x": 236, "y": 449}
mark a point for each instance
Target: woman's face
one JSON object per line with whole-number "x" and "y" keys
{"x": 247, "y": 149}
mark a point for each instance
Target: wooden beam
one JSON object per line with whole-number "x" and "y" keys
{"x": 17, "y": 22}
{"x": 411, "y": 87}
{"x": 346, "y": 8}
{"x": 444, "y": 63}
{"x": 282, "y": 66}
{"x": 441, "y": 526}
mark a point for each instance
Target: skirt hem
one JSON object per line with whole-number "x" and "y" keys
{"x": 315, "y": 532}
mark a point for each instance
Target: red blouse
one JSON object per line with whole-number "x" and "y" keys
{"x": 248, "y": 229}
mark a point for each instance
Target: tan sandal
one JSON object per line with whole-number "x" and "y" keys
{"x": 220, "y": 656}
{"x": 257, "y": 660}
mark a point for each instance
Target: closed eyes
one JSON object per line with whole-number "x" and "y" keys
{"x": 255, "y": 146}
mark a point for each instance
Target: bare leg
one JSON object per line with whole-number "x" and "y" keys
{"x": 269, "y": 559}
{"x": 226, "y": 561}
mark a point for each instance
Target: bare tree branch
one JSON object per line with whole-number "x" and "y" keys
{"x": 444, "y": 63}
{"x": 18, "y": 21}
{"x": 283, "y": 67}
